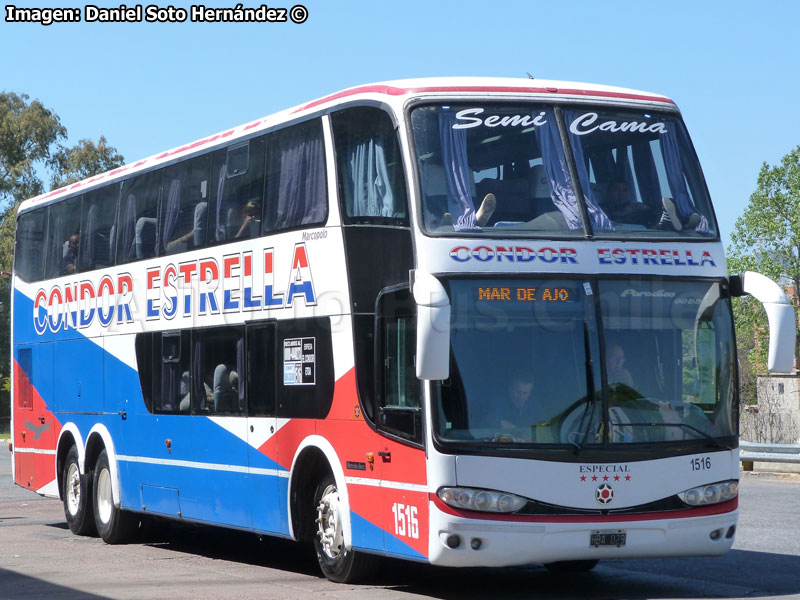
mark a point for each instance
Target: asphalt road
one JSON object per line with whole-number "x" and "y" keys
{"x": 40, "y": 558}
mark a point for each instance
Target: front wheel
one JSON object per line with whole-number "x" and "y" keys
{"x": 77, "y": 494}
{"x": 337, "y": 563}
{"x": 114, "y": 525}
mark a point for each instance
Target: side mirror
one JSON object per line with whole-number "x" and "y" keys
{"x": 780, "y": 314}
{"x": 433, "y": 326}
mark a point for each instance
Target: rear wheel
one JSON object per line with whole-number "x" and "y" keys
{"x": 571, "y": 566}
{"x": 337, "y": 563}
{"x": 114, "y": 525}
{"x": 77, "y": 494}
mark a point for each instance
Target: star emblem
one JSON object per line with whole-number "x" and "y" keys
{"x": 605, "y": 477}
{"x": 583, "y": 477}
{"x": 627, "y": 477}
{"x": 604, "y": 493}
{"x": 616, "y": 477}
{"x": 594, "y": 477}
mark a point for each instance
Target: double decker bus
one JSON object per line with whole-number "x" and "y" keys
{"x": 471, "y": 322}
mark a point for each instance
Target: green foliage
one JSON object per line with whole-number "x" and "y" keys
{"x": 766, "y": 239}
{"x": 82, "y": 161}
{"x": 28, "y": 132}
{"x": 30, "y": 143}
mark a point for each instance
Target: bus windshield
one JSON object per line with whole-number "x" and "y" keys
{"x": 497, "y": 169}
{"x": 529, "y": 366}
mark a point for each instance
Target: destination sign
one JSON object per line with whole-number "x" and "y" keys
{"x": 524, "y": 294}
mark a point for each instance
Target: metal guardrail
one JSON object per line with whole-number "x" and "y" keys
{"x": 750, "y": 452}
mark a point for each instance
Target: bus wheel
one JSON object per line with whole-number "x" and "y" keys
{"x": 77, "y": 493}
{"x": 571, "y": 566}
{"x": 115, "y": 526}
{"x": 337, "y": 563}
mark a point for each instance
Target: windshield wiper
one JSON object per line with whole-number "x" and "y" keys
{"x": 708, "y": 437}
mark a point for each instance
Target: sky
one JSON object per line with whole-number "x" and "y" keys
{"x": 732, "y": 67}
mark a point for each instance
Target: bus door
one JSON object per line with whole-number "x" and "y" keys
{"x": 400, "y": 417}
{"x": 262, "y": 426}
{"x": 35, "y": 426}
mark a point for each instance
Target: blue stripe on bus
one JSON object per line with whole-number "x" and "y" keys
{"x": 368, "y": 536}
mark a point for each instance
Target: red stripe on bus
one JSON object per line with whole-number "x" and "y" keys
{"x": 394, "y": 91}
{"x": 703, "y": 511}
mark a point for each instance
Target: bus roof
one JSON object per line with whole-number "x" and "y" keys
{"x": 387, "y": 90}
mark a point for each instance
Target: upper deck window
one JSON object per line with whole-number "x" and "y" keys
{"x": 639, "y": 167}
{"x": 493, "y": 168}
{"x": 501, "y": 169}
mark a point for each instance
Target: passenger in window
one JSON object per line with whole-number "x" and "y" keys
{"x": 224, "y": 395}
{"x": 197, "y": 235}
{"x": 619, "y": 207}
{"x": 70, "y": 256}
{"x": 251, "y": 224}
{"x": 615, "y": 366}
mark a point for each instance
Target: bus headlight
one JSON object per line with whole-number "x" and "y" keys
{"x": 483, "y": 500}
{"x": 713, "y": 493}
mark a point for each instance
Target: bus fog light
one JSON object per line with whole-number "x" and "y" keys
{"x": 731, "y": 532}
{"x": 482, "y": 500}
{"x": 476, "y": 543}
{"x": 716, "y": 534}
{"x": 453, "y": 541}
{"x": 713, "y": 493}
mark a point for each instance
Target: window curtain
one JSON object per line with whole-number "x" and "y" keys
{"x": 677, "y": 184}
{"x": 646, "y": 174}
{"x": 240, "y": 358}
{"x": 171, "y": 213}
{"x": 127, "y": 233}
{"x": 597, "y": 217}
{"x": 88, "y": 246}
{"x": 220, "y": 233}
{"x": 372, "y": 191}
{"x": 170, "y": 379}
{"x": 198, "y": 385}
{"x": 301, "y": 186}
{"x": 457, "y": 172}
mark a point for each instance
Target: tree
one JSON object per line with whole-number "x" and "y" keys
{"x": 28, "y": 133}
{"x": 82, "y": 161}
{"x": 766, "y": 239}
{"x": 31, "y": 137}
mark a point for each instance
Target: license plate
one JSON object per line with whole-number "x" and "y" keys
{"x": 614, "y": 538}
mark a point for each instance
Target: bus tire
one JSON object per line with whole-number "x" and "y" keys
{"x": 114, "y": 525}
{"x": 336, "y": 562}
{"x": 77, "y": 496}
{"x": 571, "y": 566}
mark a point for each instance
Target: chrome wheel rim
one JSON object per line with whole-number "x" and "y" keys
{"x": 73, "y": 490}
{"x": 104, "y": 501}
{"x": 329, "y": 524}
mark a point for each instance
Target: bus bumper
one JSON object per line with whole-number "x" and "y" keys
{"x": 510, "y": 543}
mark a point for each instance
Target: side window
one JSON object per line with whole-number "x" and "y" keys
{"x": 237, "y": 191}
{"x": 218, "y": 370}
{"x": 399, "y": 405}
{"x": 304, "y": 368}
{"x": 296, "y": 179}
{"x": 261, "y": 369}
{"x": 29, "y": 253}
{"x": 369, "y": 166}
{"x": 63, "y": 238}
{"x": 137, "y": 222}
{"x": 98, "y": 228}
{"x": 184, "y": 206}
{"x": 163, "y": 363}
